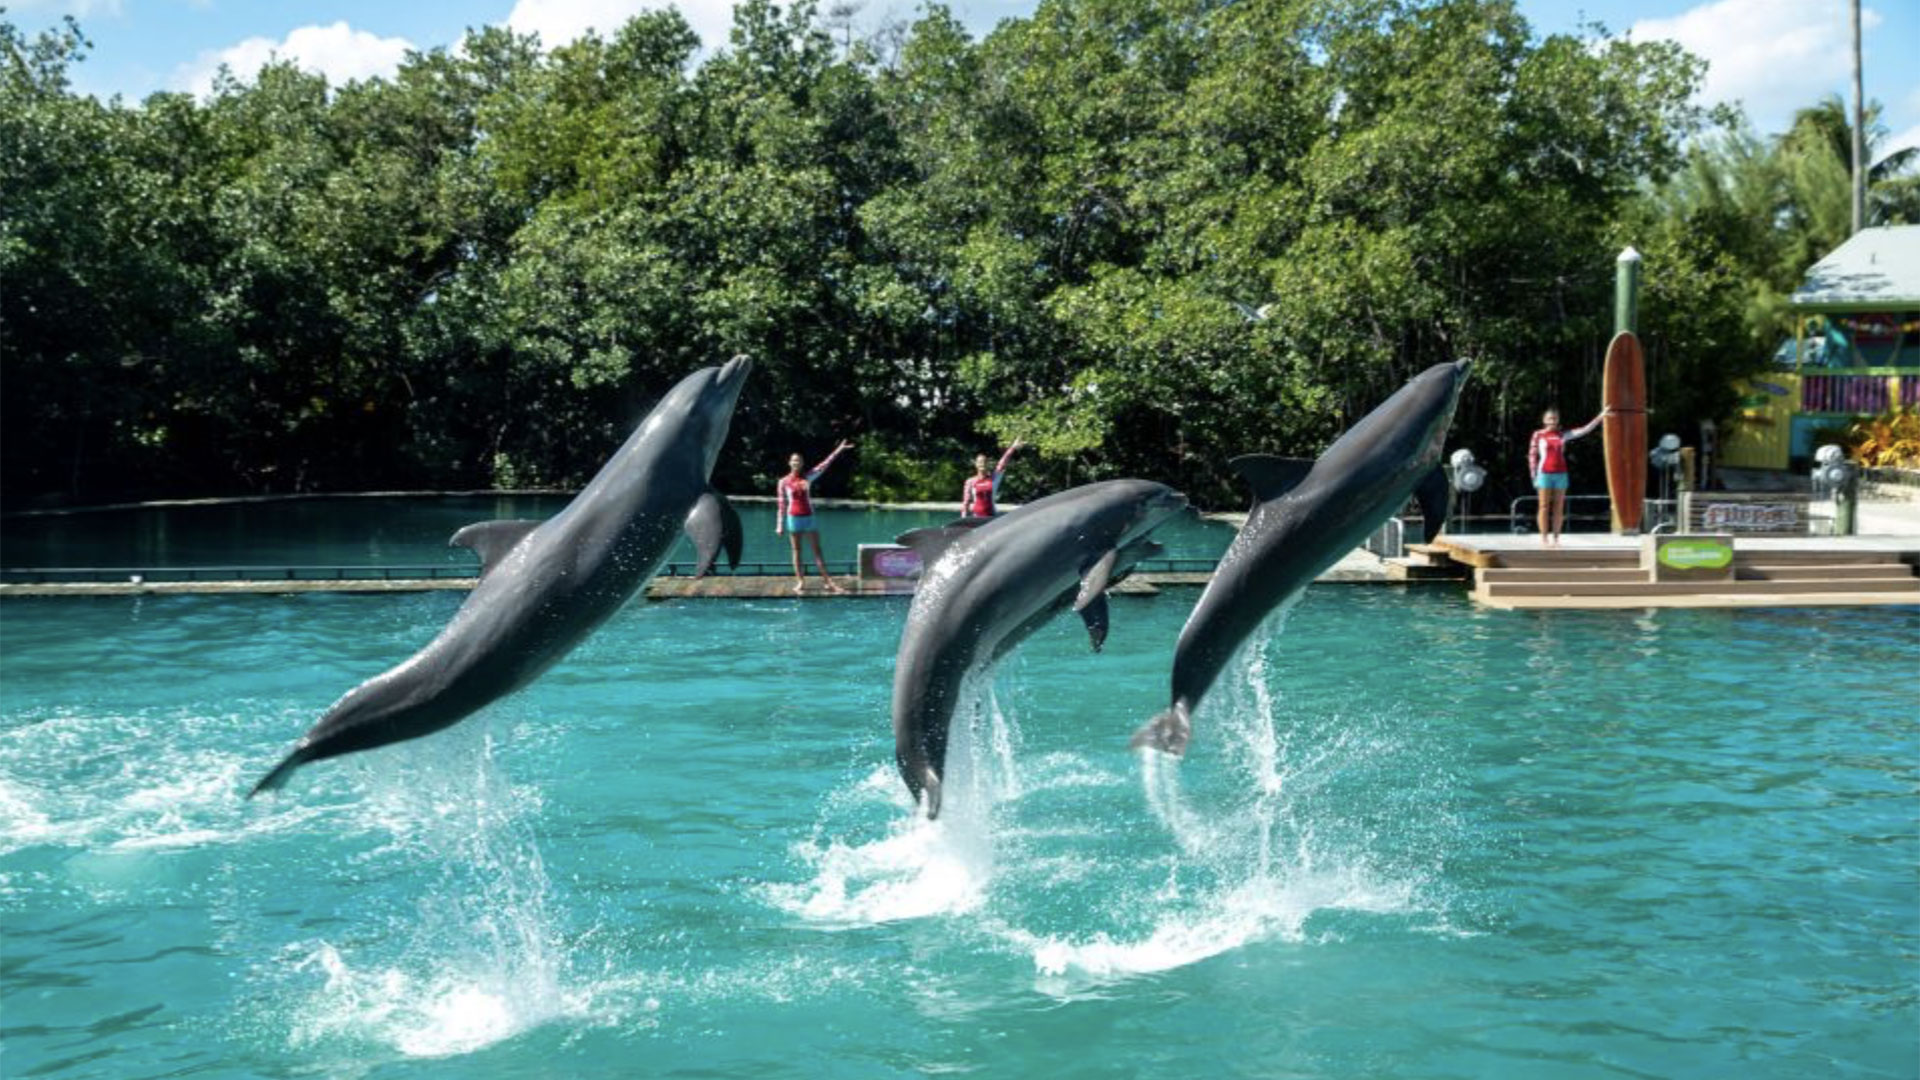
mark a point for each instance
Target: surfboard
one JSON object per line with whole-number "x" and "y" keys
{"x": 1624, "y": 432}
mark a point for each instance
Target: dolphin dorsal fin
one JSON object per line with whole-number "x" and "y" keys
{"x": 1095, "y": 616}
{"x": 1094, "y": 583}
{"x": 714, "y": 526}
{"x": 491, "y": 540}
{"x": 932, "y": 542}
{"x": 1270, "y": 476}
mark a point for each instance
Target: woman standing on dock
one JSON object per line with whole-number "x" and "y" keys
{"x": 980, "y": 495}
{"x": 1547, "y": 462}
{"x": 794, "y": 515}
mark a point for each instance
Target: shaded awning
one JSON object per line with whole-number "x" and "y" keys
{"x": 1877, "y": 270}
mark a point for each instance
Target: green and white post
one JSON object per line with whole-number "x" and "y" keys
{"x": 1626, "y": 291}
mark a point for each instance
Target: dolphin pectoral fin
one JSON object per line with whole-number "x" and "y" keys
{"x": 1431, "y": 492}
{"x": 1095, "y": 616}
{"x": 277, "y": 779}
{"x": 714, "y": 527}
{"x": 491, "y": 540}
{"x": 1093, "y": 585}
{"x": 1131, "y": 555}
{"x": 930, "y": 793}
{"x": 1270, "y": 476}
{"x": 932, "y": 542}
{"x": 1167, "y": 732}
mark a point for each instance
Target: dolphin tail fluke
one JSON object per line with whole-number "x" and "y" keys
{"x": 277, "y": 779}
{"x": 1168, "y": 732}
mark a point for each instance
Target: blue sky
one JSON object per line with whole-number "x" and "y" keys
{"x": 1773, "y": 56}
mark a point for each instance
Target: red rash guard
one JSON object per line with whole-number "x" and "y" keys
{"x": 794, "y": 499}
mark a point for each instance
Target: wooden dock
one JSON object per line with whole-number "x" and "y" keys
{"x": 753, "y": 582}
{"x": 1608, "y": 572}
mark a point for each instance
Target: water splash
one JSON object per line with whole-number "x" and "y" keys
{"x": 1277, "y": 819}
{"x": 66, "y": 782}
{"x": 478, "y": 956}
{"x": 1270, "y": 840}
{"x": 916, "y": 868}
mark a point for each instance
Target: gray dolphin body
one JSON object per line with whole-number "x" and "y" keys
{"x": 1306, "y": 515}
{"x": 544, "y": 586}
{"x": 989, "y": 583}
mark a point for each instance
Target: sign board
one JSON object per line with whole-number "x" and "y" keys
{"x": 1694, "y": 557}
{"x": 1783, "y": 513}
{"x": 889, "y": 564}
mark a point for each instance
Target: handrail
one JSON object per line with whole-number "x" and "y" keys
{"x": 1659, "y": 511}
{"x": 1517, "y": 524}
{"x": 1389, "y": 541}
{"x": 44, "y": 575}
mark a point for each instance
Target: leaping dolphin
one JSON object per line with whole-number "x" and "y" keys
{"x": 544, "y": 586}
{"x": 1306, "y": 515}
{"x": 990, "y": 582}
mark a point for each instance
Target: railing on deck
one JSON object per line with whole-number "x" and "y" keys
{"x": 1389, "y": 541}
{"x": 1523, "y": 515}
{"x": 436, "y": 572}
{"x": 40, "y": 575}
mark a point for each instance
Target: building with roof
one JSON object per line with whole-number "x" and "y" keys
{"x": 1855, "y": 352}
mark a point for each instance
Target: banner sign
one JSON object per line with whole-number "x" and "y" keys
{"x": 1687, "y": 558}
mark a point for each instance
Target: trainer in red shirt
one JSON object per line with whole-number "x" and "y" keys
{"x": 793, "y": 514}
{"x": 1547, "y": 463}
{"x": 980, "y": 495}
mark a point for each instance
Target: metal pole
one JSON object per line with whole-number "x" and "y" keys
{"x": 1626, "y": 291}
{"x": 1859, "y": 130}
{"x": 1846, "y": 505}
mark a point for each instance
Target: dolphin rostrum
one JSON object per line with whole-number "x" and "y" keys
{"x": 1305, "y": 516}
{"x": 544, "y": 586}
{"x": 990, "y": 582}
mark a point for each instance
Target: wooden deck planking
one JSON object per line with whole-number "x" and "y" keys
{"x": 1604, "y": 572}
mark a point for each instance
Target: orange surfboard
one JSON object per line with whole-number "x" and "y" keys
{"x": 1623, "y": 389}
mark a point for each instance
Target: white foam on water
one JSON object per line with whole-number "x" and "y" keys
{"x": 76, "y": 780}
{"x": 1250, "y": 912}
{"x": 463, "y": 1005}
{"x": 480, "y": 958}
{"x": 1252, "y": 866}
{"x": 1275, "y": 831}
{"x": 23, "y": 822}
{"x": 917, "y": 868}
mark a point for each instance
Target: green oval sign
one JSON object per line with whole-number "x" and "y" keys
{"x": 1696, "y": 554}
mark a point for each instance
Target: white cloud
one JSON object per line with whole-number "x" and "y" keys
{"x": 560, "y": 21}
{"x": 337, "y": 51}
{"x": 1774, "y": 56}
{"x": 1901, "y": 140}
{"x": 79, "y": 9}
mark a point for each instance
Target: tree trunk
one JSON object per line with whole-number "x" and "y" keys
{"x": 1859, "y": 130}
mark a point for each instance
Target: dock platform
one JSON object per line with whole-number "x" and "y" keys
{"x": 752, "y": 581}
{"x": 1599, "y": 572}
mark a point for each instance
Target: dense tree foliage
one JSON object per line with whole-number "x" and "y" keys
{"x": 1146, "y": 235}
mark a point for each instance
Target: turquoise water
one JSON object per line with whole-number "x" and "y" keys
{"x": 1412, "y": 839}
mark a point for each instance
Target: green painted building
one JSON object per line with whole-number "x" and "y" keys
{"x": 1855, "y": 352}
